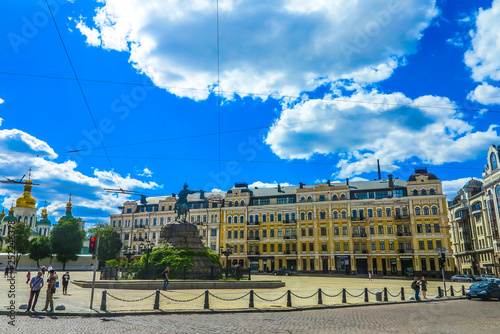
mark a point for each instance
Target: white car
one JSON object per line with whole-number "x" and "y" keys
{"x": 489, "y": 278}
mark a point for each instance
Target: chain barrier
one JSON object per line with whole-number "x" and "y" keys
{"x": 269, "y": 300}
{"x": 457, "y": 291}
{"x": 362, "y": 293}
{"x": 394, "y": 296}
{"x": 332, "y": 296}
{"x": 180, "y": 300}
{"x": 130, "y": 300}
{"x": 314, "y": 294}
{"x": 372, "y": 293}
{"x": 228, "y": 299}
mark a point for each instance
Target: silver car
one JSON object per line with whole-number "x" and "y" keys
{"x": 489, "y": 278}
{"x": 461, "y": 278}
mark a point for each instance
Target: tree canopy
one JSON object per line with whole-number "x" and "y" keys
{"x": 109, "y": 241}
{"x": 18, "y": 240}
{"x": 67, "y": 238}
{"x": 40, "y": 248}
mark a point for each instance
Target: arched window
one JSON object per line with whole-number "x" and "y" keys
{"x": 229, "y": 219}
{"x": 322, "y": 215}
{"x": 493, "y": 161}
{"x": 344, "y": 214}
{"x": 236, "y": 203}
{"x": 230, "y": 203}
{"x": 432, "y": 192}
{"x": 434, "y": 210}
{"x": 256, "y": 218}
{"x": 322, "y": 198}
{"x": 335, "y": 215}
{"x": 235, "y": 219}
{"x": 302, "y": 216}
{"x": 417, "y": 211}
{"x": 424, "y": 192}
{"x": 497, "y": 193}
{"x": 415, "y": 192}
{"x": 242, "y": 219}
{"x": 309, "y": 199}
{"x": 342, "y": 197}
{"x": 242, "y": 203}
{"x": 302, "y": 199}
{"x": 309, "y": 216}
{"x": 426, "y": 211}
{"x": 293, "y": 215}
{"x": 334, "y": 197}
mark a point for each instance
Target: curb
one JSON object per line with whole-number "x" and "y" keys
{"x": 96, "y": 313}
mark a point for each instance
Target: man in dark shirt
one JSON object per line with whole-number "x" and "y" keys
{"x": 36, "y": 285}
{"x": 65, "y": 282}
{"x": 165, "y": 278}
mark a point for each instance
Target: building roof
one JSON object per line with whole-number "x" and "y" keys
{"x": 473, "y": 183}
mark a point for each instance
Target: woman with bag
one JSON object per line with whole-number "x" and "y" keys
{"x": 51, "y": 289}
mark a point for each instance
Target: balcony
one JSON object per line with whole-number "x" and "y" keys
{"x": 290, "y": 237}
{"x": 364, "y": 251}
{"x": 358, "y": 251}
{"x": 402, "y": 217}
{"x": 253, "y": 223}
{"x": 290, "y": 252}
{"x": 405, "y": 251}
{"x": 290, "y": 221}
{"x": 403, "y": 234}
{"x": 358, "y": 219}
{"x": 253, "y": 253}
{"x": 251, "y": 237}
{"x": 359, "y": 235}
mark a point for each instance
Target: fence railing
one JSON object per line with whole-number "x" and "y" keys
{"x": 320, "y": 296}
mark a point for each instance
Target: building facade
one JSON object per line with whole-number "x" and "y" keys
{"x": 387, "y": 227}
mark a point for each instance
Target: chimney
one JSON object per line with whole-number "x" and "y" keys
{"x": 143, "y": 199}
{"x": 301, "y": 185}
{"x": 378, "y": 168}
{"x": 347, "y": 181}
{"x": 391, "y": 183}
{"x": 202, "y": 194}
{"x": 328, "y": 182}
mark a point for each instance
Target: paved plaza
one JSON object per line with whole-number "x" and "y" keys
{"x": 78, "y": 299}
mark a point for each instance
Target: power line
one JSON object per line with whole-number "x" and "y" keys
{"x": 218, "y": 90}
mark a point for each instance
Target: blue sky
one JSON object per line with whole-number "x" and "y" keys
{"x": 307, "y": 92}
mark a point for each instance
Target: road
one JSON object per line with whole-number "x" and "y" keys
{"x": 457, "y": 316}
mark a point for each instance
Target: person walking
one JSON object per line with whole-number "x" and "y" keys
{"x": 423, "y": 284}
{"x": 6, "y": 272}
{"x": 36, "y": 285}
{"x": 65, "y": 282}
{"x": 28, "y": 276}
{"x": 165, "y": 278}
{"x": 43, "y": 271}
{"x": 11, "y": 269}
{"x": 415, "y": 286}
{"x": 370, "y": 276}
{"x": 51, "y": 289}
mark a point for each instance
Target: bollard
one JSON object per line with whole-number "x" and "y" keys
{"x": 249, "y": 274}
{"x": 250, "y": 304}
{"x": 103, "y": 300}
{"x": 452, "y": 293}
{"x": 320, "y": 297}
{"x": 156, "y": 306}
{"x": 402, "y": 293}
{"x": 440, "y": 292}
{"x": 386, "y": 299}
{"x": 463, "y": 290}
{"x": 366, "y": 295}
{"x": 288, "y": 298}
{"x": 344, "y": 297}
{"x": 206, "y": 306}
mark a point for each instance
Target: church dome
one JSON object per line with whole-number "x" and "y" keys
{"x": 10, "y": 217}
{"x": 44, "y": 220}
{"x": 26, "y": 200}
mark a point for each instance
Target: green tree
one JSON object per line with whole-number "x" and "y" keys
{"x": 19, "y": 240}
{"x": 67, "y": 239}
{"x": 99, "y": 226}
{"x": 109, "y": 244}
{"x": 40, "y": 248}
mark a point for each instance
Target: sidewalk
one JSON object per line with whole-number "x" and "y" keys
{"x": 125, "y": 302}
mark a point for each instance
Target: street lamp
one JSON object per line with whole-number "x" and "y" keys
{"x": 226, "y": 253}
{"x": 148, "y": 247}
{"x": 128, "y": 254}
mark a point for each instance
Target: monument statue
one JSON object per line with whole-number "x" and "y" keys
{"x": 181, "y": 205}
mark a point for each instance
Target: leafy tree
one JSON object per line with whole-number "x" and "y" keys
{"x": 109, "y": 241}
{"x": 67, "y": 239}
{"x": 18, "y": 240}
{"x": 111, "y": 263}
{"x": 99, "y": 226}
{"x": 40, "y": 248}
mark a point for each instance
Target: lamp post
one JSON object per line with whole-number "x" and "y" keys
{"x": 148, "y": 247}
{"x": 128, "y": 254}
{"x": 226, "y": 253}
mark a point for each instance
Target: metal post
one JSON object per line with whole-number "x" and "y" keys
{"x": 366, "y": 295}
{"x": 206, "y": 306}
{"x": 320, "y": 297}
{"x": 250, "y": 304}
{"x": 386, "y": 299}
{"x": 96, "y": 263}
{"x": 103, "y": 300}
{"x": 249, "y": 274}
{"x": 463, "y": 290}
{"x": 452, "y": 293}
{"x": 444, "y": 281}
{"x": 344, "y": 296}
{"x": 440, "y": 292}
{"x": 156, "y": 306}
{"x": 402, "y": 293}
{"x": 288, "y": 298}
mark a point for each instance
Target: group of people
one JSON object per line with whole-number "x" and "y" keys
{"x": 37, "y": 283}
{"x": 419, "y": 285}
{"x": 8, "y": 270}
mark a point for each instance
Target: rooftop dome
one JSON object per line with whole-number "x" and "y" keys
{"x": 473, "y": 183}
{"x": 44, "y": 220}
{"x": 422, "y": 172}
{"x": 26, "y": 200}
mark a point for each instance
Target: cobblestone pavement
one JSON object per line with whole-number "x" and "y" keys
{"x": 78, "y": 299}
{"x": 458, "y": 316}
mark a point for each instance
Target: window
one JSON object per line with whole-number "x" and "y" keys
{"x": 415, "y": 192}
{"x": 309, "y": 216}
{"x": 271, "y": 217}
{"x": 432, "y": 192}
{"x": 417, "y": 211}
{"x": 334, "y": 197}
{"x": 229, "y": 219}
{"x": 344, "y": 214}
{"x": 322, "y": 198}
{"x": 293, "y": 216}
{"x": 382, "y": 245}
{"x": 354, "y": 213}
{"x": 336, "y": 230}
{"x": 423, "y": 262}
{"x": 280, "y": 232}
{"x": 303, "y": 232}
{"x": 389, "y": 229}
{"x": 272, "y": 248}
{"x": 235, "y": 234}
{"x": 423, "y": 192}
{"x": 302, "y": 199}
{"x": 370, "y": 213}
{"x": 356, "y": 246}
{"x": 242, "y": 219}
{"x": 264, "y": 218}
{"x": 287, "y": 217}
{"x": 381, "y": 230}
{"x": 242, "y": 203}
{"x": 279, "y": 217}
{"x": 311, "y": 231}
{"x": 256, "y": 218}
{"x": 264, "y": 248}
{"x": 346, "y": 246}
{"x": 264, "y": 233}
{"x": 391, "y": 245}
{"x": 372, "y": 229}
{"x": 430, "y": 245}
{"x": 342, "y": 197}
{"x": 322, "y": 215}
{"x": 304, "y": 247}
{"x": 372, "y": 245}
{"x": 388, "y": 212}
{"x": 337, "y": 246}
{"x": 324, "y": 247}
{"x": 271, "y": 233}
{"x": 302, "y": 216}
{"x": 323, "y": 231}
{"x": 379, "y": 212}
{"x": 281, "y": 200}
{"x": 236, "y": 203}
{"x": 335, "y": 215}
{"x": 426, "y": 211}
{"x": 344, "y": 230}
{"x": 242, "y": 234}
{"x": 427, "y": 228}
{"x": 309, "y": 199}
{"x": 437, "y": 228}
{"x": 311, "y": 247}
{"x": 280, "y": 248}
{"x": 419, "y": 228}
{"x": 154, "y": 221}
{"x": 493, "y": 161}
{"x": 229, "y": 233}
{"x": 439, "y": 244}
{"x": 432, "y": 264}
{"x": 434, "y": 210}
{"x": 421, "y": 245}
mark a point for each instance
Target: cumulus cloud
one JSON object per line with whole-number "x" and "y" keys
{"x": 260, "y": 184}
{"x": 285, "y": 46}
{"x": 451, "y": 187}
{"x": 485, "y": 94}
{"x": 370, "y": 125}
{"x": 146, "y": 172}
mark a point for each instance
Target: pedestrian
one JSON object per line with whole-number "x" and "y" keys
{"x": 415, "y": 286}
{"x": 28, "y": 276}
{"x": 164, "y": 274}
{"x": 370, "y": 276}
{"x": 50, "y": 268}
{"x": 423, "y": 283}
{"x": 65, "y": 281}
{"x": 6, "y": 272}
{"x": 11, "y": 269}
{"x": 43, "y": 271}
{"x": 51, "y": 289}
{"x": 92, "y": 267}
{"x": 36, "y": 285}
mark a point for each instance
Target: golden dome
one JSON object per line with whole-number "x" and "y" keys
{"x": 26, "y": 200}
{"x": 44, "y": 213}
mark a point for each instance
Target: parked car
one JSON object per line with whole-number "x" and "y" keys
{"x": 489, "y": 278}
{"x": 283, "y": 272}
{"x": 497, "y": 281}
{"x": 483, "y": 290}
{"x": 476, "y": 278}
{"x": 461, "y": 278}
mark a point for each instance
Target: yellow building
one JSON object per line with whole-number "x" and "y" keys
{"x": 388, "y": 227}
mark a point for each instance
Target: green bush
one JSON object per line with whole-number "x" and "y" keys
{"x": 111, "y": 263}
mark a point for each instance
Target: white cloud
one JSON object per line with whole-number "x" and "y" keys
{"x": 451, "y": 187}
{"x": 360, "y": 133}
{"x": 286, "y": 46}
{"x": 260, "y": 184}
{"x": 146, "y": 172}
{"x": 485, "y": 94}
